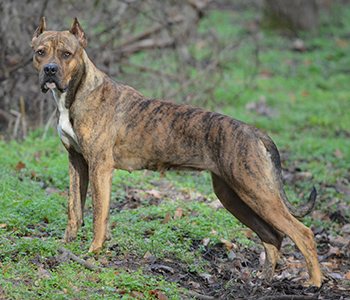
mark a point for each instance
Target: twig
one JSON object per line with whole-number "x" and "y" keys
{"x": 43, "y": 8}
{"x": 147, "y": 44}
{"x": 290, "y": 297}
{"x": 75, "y": 258}
{"x": 212, "y": 65}
{"x": 123, "y": 6}
{"x": 196, "y": 4}
{"x": 23, "y": 117}
{"x": 198, "y": 296}
{"x": 148, "y": 32}
{"x": 240, "y": 229}
{"x": 147, "y": 69}
{"x": 6, "y": 115}
{"x": 18, "y": 119}
{"x": 48, "y": 123}
{"x": 18, "y": 66}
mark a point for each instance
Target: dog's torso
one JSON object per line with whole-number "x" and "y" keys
{"x": 154, "y": 134}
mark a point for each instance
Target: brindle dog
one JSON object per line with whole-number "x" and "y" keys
{"x": 106, "y": 126}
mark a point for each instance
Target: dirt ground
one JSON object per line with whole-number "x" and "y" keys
{"x": 229, "y": 275}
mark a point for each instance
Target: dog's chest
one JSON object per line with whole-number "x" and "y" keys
{"x": 64, "y": 127}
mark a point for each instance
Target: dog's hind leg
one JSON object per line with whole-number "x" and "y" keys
{"x": 256, "y": 182}
{"x": 271, "y": 238}
{"x": 78, "y": 184}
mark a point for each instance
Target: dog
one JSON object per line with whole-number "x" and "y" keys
{"x": 106, "y": 126}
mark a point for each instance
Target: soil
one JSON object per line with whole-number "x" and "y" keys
{"x": 231, "y": 274}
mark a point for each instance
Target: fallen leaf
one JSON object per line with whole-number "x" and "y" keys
{"x": 114, "y": 224}
{"x": 163, "y": 268}
{"x": 232, "y": 255}
{"x": 205, "y": 241}
{"x": 227, "y": 244}
{"x": 167, "y": 217}
{"x": 195, "y": 284}
{"x": 51, "y": 190}
{"x": 245, "y": 273}
{"x": 262, "y": 258}
{"x": 137, "y": 295}
{"x": 335, "y": 275}
{"x": 3, "y": 225}
{"x": 333, "y": 250}
{"x": 298, "y": 45}
{"x": 154, "y": 193}
{"x": 103, "y": 261}
{"x": 304, "y": 93}
{"x": 158, "y": 293}
{"x": 338, "y": 153}
{"x": 43, "y": 273}
{"x": 248, "y": 233}
{"x": 20, "y": 166}
{"x": 178, "y": 213}
{"x": 207, "y": 277}
{"x": 342, "y": 189}
{"x": 33, "y": 175}
{"x": 147, "y": 255}
{"x": 339, "y": 240}
{"x": 347, "y": 275}
{"x": 216, "y": 204}
{"x": 345, "y": 228}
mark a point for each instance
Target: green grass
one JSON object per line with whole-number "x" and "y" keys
{"x": 308, "y": 91}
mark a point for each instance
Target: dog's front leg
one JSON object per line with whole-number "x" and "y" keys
{"x": 79, "y": 180}
{"x": 101, "y": 175}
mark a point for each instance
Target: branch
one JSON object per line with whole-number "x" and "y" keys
{"x": 212, "y": 65}
{"x": 18, "y": 66}
{"x": 148, "y": 32}
{"x": 123, "y": 6}
{"x": 150, "y": 70}
{"x": 197, "y": 296}
{"x": 290, "y": 297}
{"x": 75, "y": 258}
{"x": 18, "y": 119}
{"x": 147, "y": 44}
{"x": 48, "y": 123}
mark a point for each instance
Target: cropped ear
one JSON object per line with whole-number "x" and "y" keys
{"x": 39, "y": 30}
{"x": 78, "y": 32}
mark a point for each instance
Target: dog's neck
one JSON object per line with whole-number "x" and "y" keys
{"x": 64, "y": 126}
{"x": 81, "y": 83}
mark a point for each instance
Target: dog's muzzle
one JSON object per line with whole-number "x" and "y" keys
{"x": 50, "y": 78}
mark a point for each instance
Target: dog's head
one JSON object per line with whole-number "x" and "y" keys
{"x": 58, "y": 55}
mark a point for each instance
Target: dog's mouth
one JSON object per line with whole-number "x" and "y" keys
{"x": 51, "y": 85}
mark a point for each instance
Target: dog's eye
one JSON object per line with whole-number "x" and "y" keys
{"x": 67, "y": 54}
{"x": 41, "y": 52}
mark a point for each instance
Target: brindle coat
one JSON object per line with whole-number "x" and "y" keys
{"x": 107, "y": 126}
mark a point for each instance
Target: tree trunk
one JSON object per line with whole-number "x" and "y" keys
{"x": 291, "y": 14}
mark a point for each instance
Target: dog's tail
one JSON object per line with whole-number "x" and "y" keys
{"x": 304, "y": 209}
{"x": 301, "y": 210}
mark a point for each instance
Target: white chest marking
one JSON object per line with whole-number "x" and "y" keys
{"x": 64, "y": 127}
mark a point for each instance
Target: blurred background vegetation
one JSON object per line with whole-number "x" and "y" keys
{"x": 176, "y": 50}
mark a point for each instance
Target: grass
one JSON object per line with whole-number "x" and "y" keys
{"x": 308, "y": 91}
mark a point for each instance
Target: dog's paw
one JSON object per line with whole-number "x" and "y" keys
{"x": 312, "y": 283}
{"x": 69, "y": 238}
{"x": 95, "y": 249}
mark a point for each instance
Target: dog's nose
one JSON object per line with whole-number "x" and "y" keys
{"x": 50, "y": 69}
